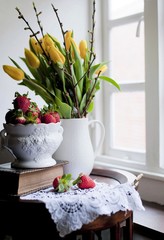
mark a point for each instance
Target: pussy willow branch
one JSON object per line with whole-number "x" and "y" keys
{"x": 67, "y": 57}
{"x": 63, "y": 34}
{"x": 34, "y": 34}
{"x": 28, "y": 25}
{"x": 92, "y": 55}
{"x": 92, "y": 32}
{"x": 38, "y": 20}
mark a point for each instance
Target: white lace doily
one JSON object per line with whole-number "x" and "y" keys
{"x": 72, "y": 209}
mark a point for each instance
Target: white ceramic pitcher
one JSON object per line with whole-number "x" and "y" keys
{"x": 76, "y": 146}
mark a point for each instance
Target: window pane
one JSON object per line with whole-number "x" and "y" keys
{"x": 123, "y": 8}
{"x": 128, "y": 121}
{"x": 126, "y": 52}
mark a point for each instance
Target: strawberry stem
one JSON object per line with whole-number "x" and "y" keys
{"x": 78, "y": 179}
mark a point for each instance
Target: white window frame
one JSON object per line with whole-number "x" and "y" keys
{"x": 120, "y": 154}
{"x": 153, "y": 168}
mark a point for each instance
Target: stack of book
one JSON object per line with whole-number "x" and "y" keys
{"x": 23, "y": 181}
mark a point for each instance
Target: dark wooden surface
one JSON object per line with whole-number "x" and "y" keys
{"x": 24, "y": 219}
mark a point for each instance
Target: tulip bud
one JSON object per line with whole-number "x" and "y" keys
{"x": 56, "y": 55}
{"x": 101, "y": 69}
{"x": 31, "y": 58}
{"x": 48, "y": 41}
{"x": 14, "y": 72}
{"x": 83, "y": 48}
{"x": 75, "y": 45}
{"x": 68, "y": 37}
{"x": 35, "y": 45}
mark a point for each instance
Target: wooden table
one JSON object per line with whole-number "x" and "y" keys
{"x": 27, "y": 219}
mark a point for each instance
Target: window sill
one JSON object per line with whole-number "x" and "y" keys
{"x": 135, "y": 168}
{"x": 151, "y": 219}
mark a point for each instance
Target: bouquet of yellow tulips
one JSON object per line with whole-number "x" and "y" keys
{"x": 64, "y": 75}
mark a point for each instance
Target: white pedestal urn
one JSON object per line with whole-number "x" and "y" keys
{"x": 32, "y": 145}
{"x": 76, "y": 146}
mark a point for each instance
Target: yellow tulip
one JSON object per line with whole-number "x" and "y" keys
{"x": 35, "y": 45}
{"x": 31, "y": 58}
{"x": 48, "y": 41}
{"x": 56, "y": 55}
{"x": 83, "y": 48}
{"x": 68, "y": 37}
{"x": 101, "y": 69}
{"x": 76, "y": 46}
{"x": 14, "y": 72}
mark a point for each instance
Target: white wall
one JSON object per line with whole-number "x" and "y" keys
{"x": 13, "y": 37}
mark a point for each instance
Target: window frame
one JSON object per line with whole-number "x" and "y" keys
{"x": 154, "y": 94}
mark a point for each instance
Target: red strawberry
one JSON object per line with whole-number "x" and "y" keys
{"x": 34, "y": 109}
{"x": 56, "y": 115}
{"x": 84, "y": 181}
{"x": 33, "y": 113}
{"x": 19, "y": 117}
{"x": 51, "y": 110}
{"x": 62, "y": 183}
{"x": 21, "y": 102}
{"x": 48, "y": 118}
{"x": 38, "y": 120}
{"x": 56, "y": 182}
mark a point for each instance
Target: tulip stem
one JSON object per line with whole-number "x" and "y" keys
{"x": 90, "y": 97}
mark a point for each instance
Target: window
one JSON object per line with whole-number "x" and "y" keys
{"x": 132, "y": 38}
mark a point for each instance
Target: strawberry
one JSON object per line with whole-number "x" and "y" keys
{"x": 38, "y": 120}
{"x": 10, "y": 115}
{"x": 34, "y": 109}
{"x": 84, "y": 181}
{"x": 33, "y": 113}
{"x": 19, "y": 117}
{"x": 56, "y": 182}
{"x": 21, "y": 102}
{"x": 48, "y": 118}
{"x": 31, "y": 117}
{"x": 56, "y": 116}
{"x": 50, "y": 109}
{"x": 26, "y": 111}
{"x": 62, "y": 183}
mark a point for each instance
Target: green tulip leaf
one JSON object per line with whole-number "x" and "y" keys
{"x": 78, "y": 67}
{"x": 33, "y": 71}
{"x": 38, "y": 89}
{"x": 110, "y": 80}
{"x": 64, "y": 109}
{"x": 95, "y": 68}
{"x": 91, "y": 107}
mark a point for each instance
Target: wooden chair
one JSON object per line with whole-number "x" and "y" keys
{"x": 120, "y": 225}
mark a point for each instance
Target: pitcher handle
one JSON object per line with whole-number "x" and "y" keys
{"x": 102, "y": 134}
{"x": 4, "y": 142}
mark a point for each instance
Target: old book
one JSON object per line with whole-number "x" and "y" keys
{"x": 22, "y": 181}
